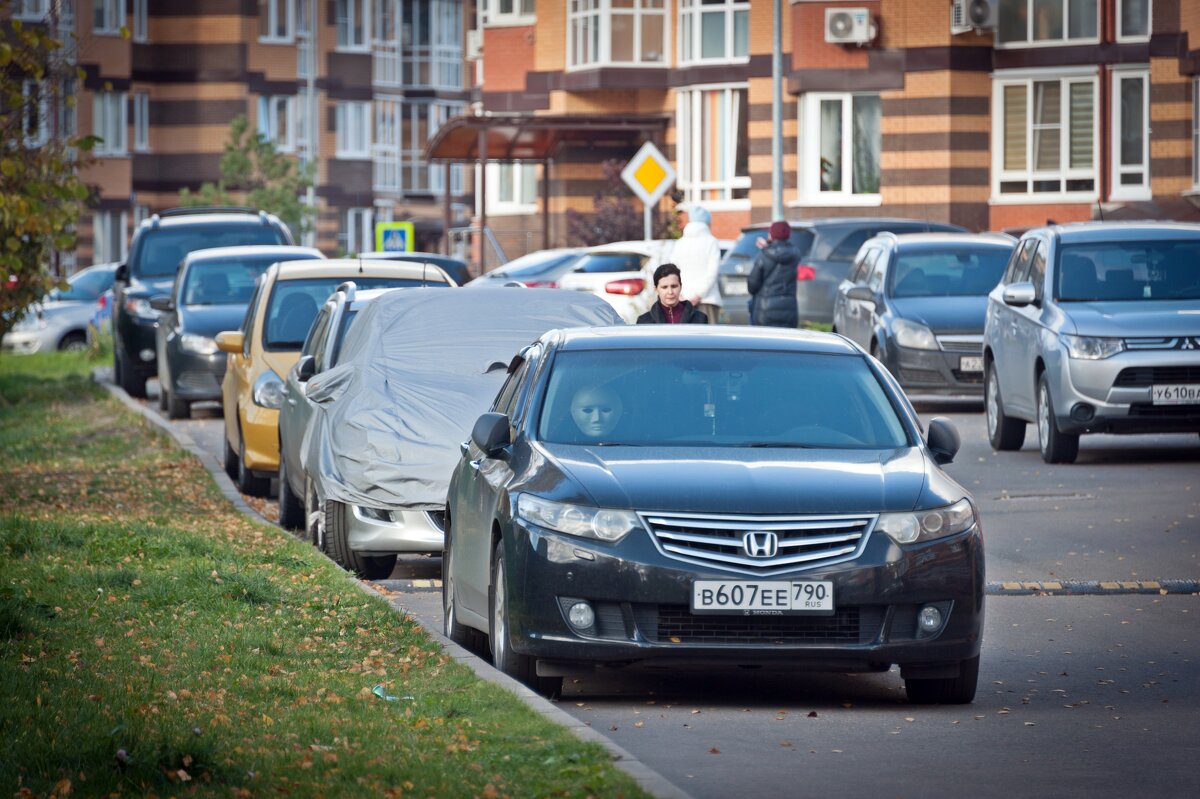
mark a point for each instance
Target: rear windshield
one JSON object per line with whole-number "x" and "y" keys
{"x": 86, "y": 286}
{"x": 746, "y": 245}
{"x": 953, "y": 272}
{"x": 611, "y": 262}
{"x": 841, "y": 242}
{"x": 159, "y": 251}
{"x": 534, "y": 265}
{"x": 226, "y": 281}
{"x": 1128, "y": 270}
{"x": 293, "y": 305}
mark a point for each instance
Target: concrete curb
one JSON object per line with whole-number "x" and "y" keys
{"x": 647, "y": 778}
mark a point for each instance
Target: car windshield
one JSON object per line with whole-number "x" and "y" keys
{"x": 1128, "y": 270}
{"x": 534, "y": 265}
{"x": 293, "y": 305}
{"x": 717, "y": 398}
{"x": 611, "y": 262}
{"x": 950, "y": 272}
{"x": 160, "y": 250}
{"x": 746, "y": 245}
{"x": 225, "y": 281}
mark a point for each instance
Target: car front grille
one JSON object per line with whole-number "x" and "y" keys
{"x": 1146, "y": 376}
{"x": 1179, "y": 413}
{"x": 1163, "y": 343}
{"x": 722, "y": 541}
{"x": 967, "y": 377}
{"x": 675, "y": 624}
{"x": 911, "y": 376}
{"x": 967, "y": 345}
{"x": 199, "y": 381}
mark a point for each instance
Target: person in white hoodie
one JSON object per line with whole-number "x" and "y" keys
{"x": 698, "y": 256}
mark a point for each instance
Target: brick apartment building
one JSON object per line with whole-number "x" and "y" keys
{"x": 1052, "y": 109}
{"x": 161, "y": 93}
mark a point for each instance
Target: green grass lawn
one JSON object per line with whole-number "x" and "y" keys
{"x": 154, "y": 641}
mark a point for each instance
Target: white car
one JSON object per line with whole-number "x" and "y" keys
{"x": 621, "y": 274}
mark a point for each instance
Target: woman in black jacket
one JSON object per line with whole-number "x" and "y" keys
{"x": 773, "y": 280}
{"x": 669, "y": 308}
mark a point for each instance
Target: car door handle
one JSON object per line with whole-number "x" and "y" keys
{"x": 475, "y": 463}
{"x": 464, "y": 447}
{"x": 292, "y": 401}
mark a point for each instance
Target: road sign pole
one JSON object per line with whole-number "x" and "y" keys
{"x": 646, "y": 221}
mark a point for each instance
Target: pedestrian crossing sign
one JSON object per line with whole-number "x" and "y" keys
{"x": 394, "y": 237}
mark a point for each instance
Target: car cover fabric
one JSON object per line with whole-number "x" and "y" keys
{"x": 417, "y": 369}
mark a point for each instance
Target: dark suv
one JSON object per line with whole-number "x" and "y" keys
{"x": 827, "y": 247}
{"x": 159, "y": 246}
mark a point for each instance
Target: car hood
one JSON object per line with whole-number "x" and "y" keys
{"x": 56, "y": 314}
{"x": 1133, "y": 319}
{"x": 724, "y": 480}
{"x": 943, "y": 314}
{"x": 156, "y": 286}
{"x": 209, "y": 320}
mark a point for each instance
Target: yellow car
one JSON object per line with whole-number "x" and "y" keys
{"x": 282, "y": 310}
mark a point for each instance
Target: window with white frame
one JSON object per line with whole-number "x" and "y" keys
{"x": 108, "y": 16}
{"x": 67, "y": 115}
{"x": 35, "y": 113}
{"x": 1044, "y": 132}
{"x": 840, "y": 148}
{"x": 1047, "y": 22}
{"x": 109, "y": 239}
{"x": 109, "y": 115}
{"x": 385, "y": 149}
{"x": 1131, "y": 134}
{"x": 277, "y": 121}
{"x": 141, "y": 121}
{"x": 509, "y": 12}
{"x": 616, "y": 33}
{"x": 432, "y": 44}
{"x": 141, "y": 21}
{"x": 712, "y": 144}
{"x": 277, "y": 21}
{"x": 303, "y": 134}
{"x": 416, "y": 122}
{"x": 1133, "y": 20}
{"x": 356, "y": 231}
{"x": 30, "y": 10}
{"x": 1196, "y": 132}
{"x": 353, "y": 23}
{"x": 714, "y": 31}
{"x": 353, "y": 129}
{"x": 140, "y": 213}
{"x": 512, "y": 188}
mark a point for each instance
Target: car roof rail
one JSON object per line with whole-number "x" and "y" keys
{"x": 209, "y": 209}
{"x": 349, "y": 287}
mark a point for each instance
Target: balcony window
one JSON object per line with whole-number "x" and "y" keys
{"x": 1133, "y": 20}
{"x": 714, "y": 31}
{"x": 431, "y": 42}
{"x": 35, "y": 113}
{"x": 141, "y": 21}
{"x": 356, "y": 231}
{"x": 1131, "y": 139}
{"x": 108, "y": 17}
{"x": 109, "y": 115}
{"x": 1196, "y": 133}
{"x": 277, "y": 21}
{"x": 1025, "y": 23}
{"x": 509, "y": 12}
{"x": 109, "y": 240}
{"x": 841, "y": 155}
{"x": 616, "y": 33}
{"x": 277, "y": 121}
{"x": 353, "y": 23}
{"x": 512, "y": 189}
{"x": 713, "y": 145}
{"x": 353, "y": 129}
{"x": 141, "y": 121}
{"x": 30, "y": 10}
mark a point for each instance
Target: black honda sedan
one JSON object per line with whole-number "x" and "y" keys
{"x": 720, "y": 497}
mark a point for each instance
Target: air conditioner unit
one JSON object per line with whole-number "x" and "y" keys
{"x": 474, "y": 44}
{"x": 848, "y": 26}
{"x": 958, "y": 17}
{"x": 982, "y": 14}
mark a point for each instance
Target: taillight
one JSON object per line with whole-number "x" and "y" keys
{"x": 805, "y": 272}
{"x": 103, "y": 300}
{"x": 540, "y": 284}
{"x": 629, "y": 287}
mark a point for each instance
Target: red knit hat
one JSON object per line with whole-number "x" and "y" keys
{"x": 780, "y": 231}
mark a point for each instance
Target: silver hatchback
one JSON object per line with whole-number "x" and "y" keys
{"x": 1094, "y": 328}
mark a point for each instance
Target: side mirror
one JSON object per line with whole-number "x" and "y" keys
{"x": 162, "y": 303}
{"x": 862, "y": 293}
{"x": 230, "y": 341}
{"x": 943, "y": 440}
{"x": 1019, "y": 295}
{"x": 306, "y": 367}
{"x": 490, "y": 434}
{"x": 122, "y": 273}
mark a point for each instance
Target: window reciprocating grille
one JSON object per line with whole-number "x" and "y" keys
{"x": 759, "y": 545}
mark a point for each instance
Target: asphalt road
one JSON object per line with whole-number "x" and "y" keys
{"x": 1090, "y": 676}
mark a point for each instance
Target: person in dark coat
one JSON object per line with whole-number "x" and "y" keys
{"x": 772, "y": 281}
{"x": 669, "y": 309}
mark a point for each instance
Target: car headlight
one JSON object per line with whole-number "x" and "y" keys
{"x": 140, "y": 306}
{"x": 602, "y": 524}
{"x": 913, "y": 335}
{"x": 268, "y": 390}
{"x": 201, "y": 345}
{"x": 1091, "y": 348}
{"x": 29, "y": 323}
{"x": 926, "y": 525}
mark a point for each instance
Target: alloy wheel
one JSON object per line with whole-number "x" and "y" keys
{"x": 499, "y": 637}
{"x": 1043, "y": 414}
{"x": 314, "y": 517}
{"x": 991, "y": 404}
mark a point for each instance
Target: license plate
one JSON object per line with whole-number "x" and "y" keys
{"x": 762, "y": 598}
{"x": 1175, "y": 395}
{"x": 970, "y": 363}
{"x": 736, "y": 288}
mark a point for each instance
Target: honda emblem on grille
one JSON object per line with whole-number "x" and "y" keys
{"x": 760, "y": 544}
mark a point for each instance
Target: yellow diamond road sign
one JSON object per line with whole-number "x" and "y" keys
{"x": 649, "y": 174}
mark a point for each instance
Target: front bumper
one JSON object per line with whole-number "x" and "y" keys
{"x": 641, "y": 603}
{"x": 938, "y": 372}
{"x": 260, "y": 431}
{"x": 135, "y": 337}
{"x": 410, "y": 531}
{"x": 1116, "y": 392}
{"x": 23, "y": 342}
{"x": 195, "y": 377}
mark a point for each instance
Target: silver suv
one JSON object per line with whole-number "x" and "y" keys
{"x": 1094, "y": 328}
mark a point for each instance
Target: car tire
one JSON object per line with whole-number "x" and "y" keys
{"x": 74, "y": 342}
{"x": 1056, "y": 446}
{"x": 177, "y": 408}
{"x": 1004, "y": 432}
{"x": 291, "y": 508}
{"x": 515, "y": 665}
{"x": 958, "y": 690}
{"x": 230, "y": 460}
{"x": 368, "y": 567}
{"x": 130, "y": 381}
{"x": 247, "y": 482}
{"x": 458, "y": 633}
{"x": 314, "y": 518}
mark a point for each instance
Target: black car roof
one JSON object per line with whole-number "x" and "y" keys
{"x": 725, "y": 337}
{"x": 851, "y": 221}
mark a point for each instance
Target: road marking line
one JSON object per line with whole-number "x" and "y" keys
{"x": 1094, "y": 587}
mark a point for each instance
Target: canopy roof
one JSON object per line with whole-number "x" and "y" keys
{"x": 523, "y": 137}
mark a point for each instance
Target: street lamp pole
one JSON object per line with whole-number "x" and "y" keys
{"x": 777, "y": 113}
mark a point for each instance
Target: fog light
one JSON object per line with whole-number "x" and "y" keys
{"x": 146, "y": 355}
{"x": 581, "y": 616}
{"x": 929, "y": 620}
{"x": 1082, "y": 412}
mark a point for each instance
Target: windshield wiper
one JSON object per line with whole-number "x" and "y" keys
{"x": 613, "y": 444}
{"x": 781, "y": 445}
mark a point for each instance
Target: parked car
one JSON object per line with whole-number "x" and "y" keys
{"x": 158, "y": 248}
{"x": 211, "y": 293}
{"x": 413, "y": 375}
{"x": 268, "y": 344}
{"x": 60, "y": 321}
{"x": 621, "y": 274}
{"x": 1094, "y": 328}
{"x": 917, "y": 302}
{"x": 456, "y": 268}
{"x": 827, "y": 247}
{"x": 712, "y": 497}
{"x": 540, "y": 269}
